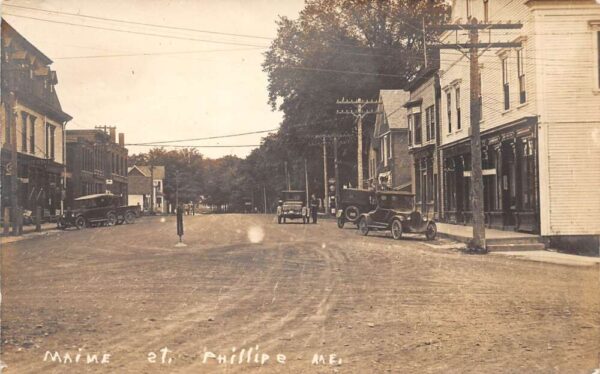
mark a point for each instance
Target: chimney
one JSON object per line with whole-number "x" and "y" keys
{"x": 113, "y": 134}
{"x": 122, "y": 139}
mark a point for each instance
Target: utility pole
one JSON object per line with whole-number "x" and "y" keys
{"x": 265, "y": 198}
{"x": 337, "y": 175}
{"x": 12, "y": 122}
{"x": 177, "y": 189}
{"x": 306, "y": 181}
{"x": 326, "y": 195}
{"x": 478, "y": 242}
{"x": 359, "y": 113}
{"x": 287, "y": 176}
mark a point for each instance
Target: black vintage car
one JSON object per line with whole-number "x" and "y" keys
{"x": 354, "y": 202}
{"x": 292, "y": 205}
{"x": 99, "y": 209}
{"x": 395, "y": 212}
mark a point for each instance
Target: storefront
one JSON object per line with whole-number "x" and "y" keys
{"x": 426, "y": 180}
{"x": 510, "y": 178}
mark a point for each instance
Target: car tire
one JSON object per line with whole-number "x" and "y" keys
{"x": 340, "y": 222}
{"x": 363, "y": 227}
{"x": 129, "y": 217}
{"x": 397, "y": 229}
{"x": 350, "y": 211}
{"x": 111, "y": 219}
{"x": 80, "y": 222}
{"x": 431, "y": 231}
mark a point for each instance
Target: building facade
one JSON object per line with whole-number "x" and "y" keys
{"x": 389, "y": 162}
{"x": 34, "y": 123}
{"x": 422, "y": 110}
{"x": 143, "y": 180}
{"x": 540, "y": 121}
{"x": 96, "y": 163}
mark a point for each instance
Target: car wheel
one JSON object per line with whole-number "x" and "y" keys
{"x": 129, "y": 217}
{"x": 363, "y": 227}
{"x": 80, "y": 222}
{"x": 431, "y": 231}
{"x": 396, "y": 229}
{"x": 111, "y": 219}
{"x": 340, "y": 222}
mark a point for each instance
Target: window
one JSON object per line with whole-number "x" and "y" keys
{"x": 418, "y": 131}
{"x": 486, "y": 11}
{"x": 23, "y": 131}
{"x": 598, "y": 56}
{"x": 384, "y": 150}
{"x": 52, "y": 128}
{"x": 410, "y": 126}
{"x": 449, "y": 109}
{"x": 521, "y": 75}
{"x": 389, "y": 145}
{"x": 505, "y": 85}
{"x": 458, "y": 116}
{"x": 32, "y": 135}
{"x": 430, "y": 123}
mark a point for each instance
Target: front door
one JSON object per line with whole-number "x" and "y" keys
{"x": 509, "y": 184}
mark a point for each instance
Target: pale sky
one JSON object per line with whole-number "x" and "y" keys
{"x": 187, "y": 94}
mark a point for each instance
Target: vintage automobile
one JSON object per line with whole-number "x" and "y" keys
{"x": 352, "y": 204}
{"x": 292, "y": 205}
{"x": 395, "y": 212}
{"x": 98, "y": 209}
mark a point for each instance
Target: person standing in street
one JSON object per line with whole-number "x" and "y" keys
{"x": 314, "y": 206}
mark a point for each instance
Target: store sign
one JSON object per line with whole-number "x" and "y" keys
{"x": 467, "y": 173}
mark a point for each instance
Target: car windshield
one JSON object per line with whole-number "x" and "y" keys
{"x": 400, "y": 202}
{"x": 293, "y": 196}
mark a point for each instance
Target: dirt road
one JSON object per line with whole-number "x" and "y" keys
{"x": 287, "y": 291}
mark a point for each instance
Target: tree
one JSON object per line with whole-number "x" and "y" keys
{"x": 335, "y": 49}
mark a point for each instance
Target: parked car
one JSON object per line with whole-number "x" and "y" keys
{"x": 396, "y": 212}
{"x": 292, "y": 205}
{"x": 352, "y": 204}
{"x": 99, "y": 209}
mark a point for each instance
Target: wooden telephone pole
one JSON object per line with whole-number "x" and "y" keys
{"x": 478, "y": 242}
{"x": 359, "y": 113}
{"x": 325, "y": 179}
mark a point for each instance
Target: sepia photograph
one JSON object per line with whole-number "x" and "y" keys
{"x": 300, "y": 186}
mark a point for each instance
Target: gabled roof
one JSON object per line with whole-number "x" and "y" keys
{"x": 390, "y": 112}
{"x": 158, "y": 172}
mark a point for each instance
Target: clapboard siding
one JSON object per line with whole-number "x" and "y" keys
{"x": 574, "y": 178}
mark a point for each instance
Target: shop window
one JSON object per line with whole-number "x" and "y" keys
{"x": 527, "y": 165}
{"x": 505, "y": 83}
{"x": 521, "y": 76}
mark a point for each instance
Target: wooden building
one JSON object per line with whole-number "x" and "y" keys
{"x": 540, "y": 120}
{"x": 38, "y": 125}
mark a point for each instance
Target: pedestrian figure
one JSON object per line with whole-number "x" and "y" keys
{"x": 314, "y": 206}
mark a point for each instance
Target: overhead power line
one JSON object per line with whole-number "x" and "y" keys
{"x": 136, "y": 32}
{"x": 199, "y": 146}
{"x": 139, "y": 23}
{"x": 206, "y": 138}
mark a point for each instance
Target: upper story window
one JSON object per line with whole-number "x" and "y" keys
{"x": 32, "y": 135}
{"x": 418, "y": 130}
{"x": 521, "y": 76}
{"x": 458, "y": 113}
{"x": 449, "y": 110}
{"x": 410, "y": 129}
{"x": 505, "y": 84}
{"x": 24, "y": 131}
{"x": 50, "y": 141}
{"x": 430, "y": 123}
{"x": 486, "y": 11}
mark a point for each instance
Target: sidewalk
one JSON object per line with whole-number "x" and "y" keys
{"x": 28, "y": 232}
{"x": 464, "y": 233}
{"x": 552, "y": 257}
